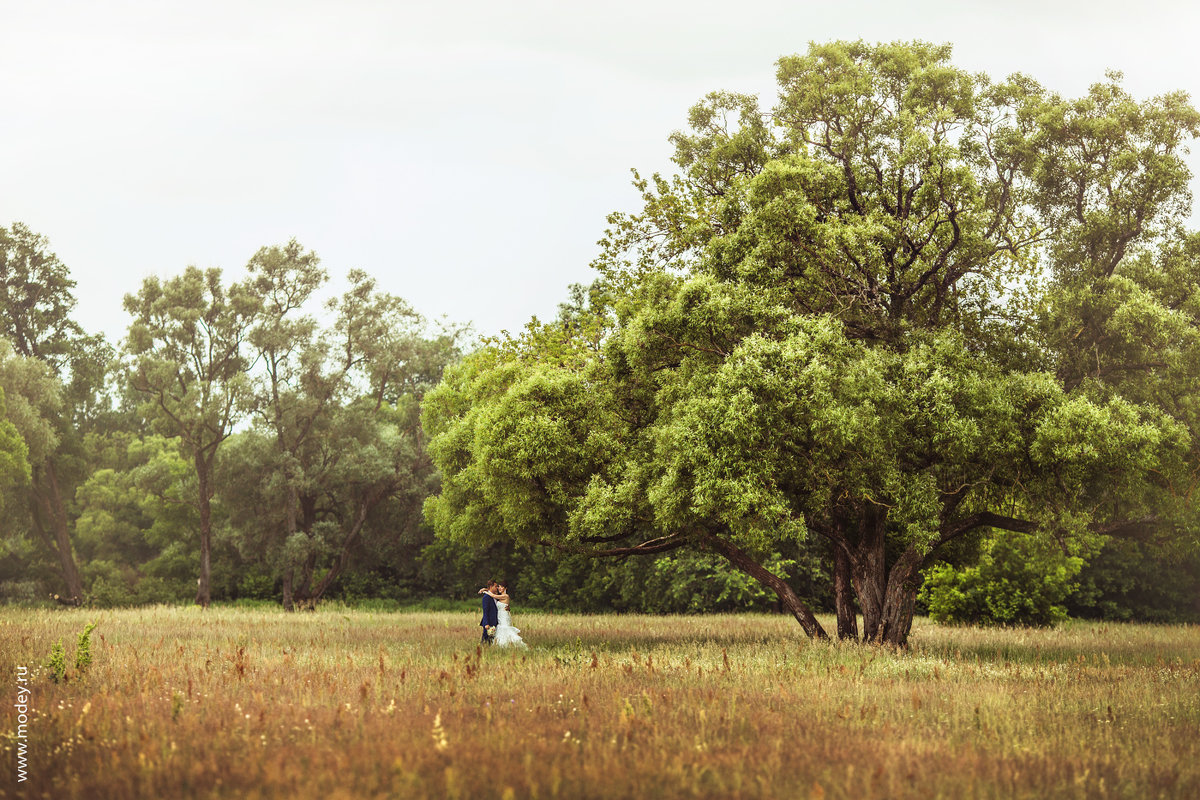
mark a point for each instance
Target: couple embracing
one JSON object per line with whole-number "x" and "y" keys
{"x": 497, "y": 623}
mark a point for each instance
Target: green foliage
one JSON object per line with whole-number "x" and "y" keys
{"x": 873, "y": 314}
{"x": 57, "y": 663}
{"x": 30, "y": 593}
{"x": 1140, "y": 581}
{"x": 256, "y": 586}
{"x": 117, "y": 586}
{"x": 83, "y": 650}
{"x": 678, "y": 582}
{"x": 30, "y": 435}
{"x": 153, "y": 590}
{"x": 36, "y": 295}
{"x": 14, "y": 456}
{"x": 134, "y": 509}
{"x": 334, "y": 463}
{"x": 187, "y": 362}
{"x": 109, "y": 592}
{"x": 702, "y": 583}
{"x": 1018, "y": 580}
{"x": 55, "y": 379}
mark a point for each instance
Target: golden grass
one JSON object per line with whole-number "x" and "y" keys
{"x": 231, "y": 703}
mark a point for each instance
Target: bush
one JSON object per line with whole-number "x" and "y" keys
{"x": 24, "y": 592}
{"x": 111, "y": 593}
{"x": 1142, "y": 582}
{"x": 153, "y": 590}
{"x": 357, "y": 586}
{"x": 57, "y": 663}
{"x": 257, "y": 586}
{"x": 250, "y": 603}
{"x": 83, "y": 649}
{"x": 1019, "y": 580}
{"x": 379, "y": 604}
{"x": 116, "y": 592}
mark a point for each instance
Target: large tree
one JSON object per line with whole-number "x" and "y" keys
{"x": 295, "y": 387}
{"x": 34, "y": 405}
{"x": 36, "y": 302}
{"x": 908, "y": 305}
{"x": 336, "y": 435}
{"x": 188, "y": 348}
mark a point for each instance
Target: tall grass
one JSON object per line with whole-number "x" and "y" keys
{"x": 255, "y": 703}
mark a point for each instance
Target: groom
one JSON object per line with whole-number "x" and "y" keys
{"x": 490, "y": 618}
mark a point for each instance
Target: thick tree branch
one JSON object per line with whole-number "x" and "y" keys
{"x": 787, "y": 595}
{"x": 659, "y": 545}
{"x": 987, "y": 519}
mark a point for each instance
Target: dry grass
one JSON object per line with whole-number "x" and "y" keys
{"x": 232, "y": 703}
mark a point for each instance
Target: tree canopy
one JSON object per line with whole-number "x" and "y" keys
{"x": 336, "y": 437}
{"x": 186, "y": 341}
{"x": 14, "y": 455}
{"x": 907, "y": 305}
{"x": 36, "y": 324}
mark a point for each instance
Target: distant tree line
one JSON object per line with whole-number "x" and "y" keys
{"x": 315, "y": 469}
{"x": 910, "y": 341}
{"x": 232, "y": 446}
{"x": 236, "y": 447}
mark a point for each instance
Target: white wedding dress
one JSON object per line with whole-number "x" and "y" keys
{"x": 506, "y": 634}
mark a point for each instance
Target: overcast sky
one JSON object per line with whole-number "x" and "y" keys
{"x": 466, "y": 153}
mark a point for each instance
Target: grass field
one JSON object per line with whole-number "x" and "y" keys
{"x": 234, "y": 703}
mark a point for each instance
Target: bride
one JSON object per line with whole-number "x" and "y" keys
{"x": 506, "y": 634}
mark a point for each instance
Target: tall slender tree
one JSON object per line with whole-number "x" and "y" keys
{"x": 294, "y": 386}
{"x": 36, "y": 300}
{"x": 189, "y": 357}
{"x": 337, "y": 407}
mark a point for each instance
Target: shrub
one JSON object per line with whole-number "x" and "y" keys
{"x": 83, "y": 651}
{"x": 1018, "y": 580}
{"x": 1141, "y": 581}
{"x": 153, "y": 590}
{"x": 57, "y": 663}
{"x": 111, "y": 593}
{"x": 257, "y": 586}
{"x": 24, "y": 592}
{"x": 356, "y": 586}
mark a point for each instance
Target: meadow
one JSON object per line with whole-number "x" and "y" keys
{"x": 338, "y": 703}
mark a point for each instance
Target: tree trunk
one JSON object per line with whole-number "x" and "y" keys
{"x": 303, "y": 591}
{"x": 868, "y": 570}
{"x": 343, "y": 559}
{"x": 50, "y": 499}
{"x": 289, "y": 603}
{"x": 203, "y": 592}
{"x": 843, "y": 590}
{"x": 888, "y": 597}
{"x": 900, "y": 600}
{"x": 787, "y": 596}
{"x": 289, "y": 529}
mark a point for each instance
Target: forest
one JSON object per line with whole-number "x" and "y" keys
{"x": 910, "y": 342}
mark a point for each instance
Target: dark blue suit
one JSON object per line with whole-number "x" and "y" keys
{"x": 490, "y": 617}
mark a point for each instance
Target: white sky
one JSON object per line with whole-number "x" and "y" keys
{"x": 465, "y": 154}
